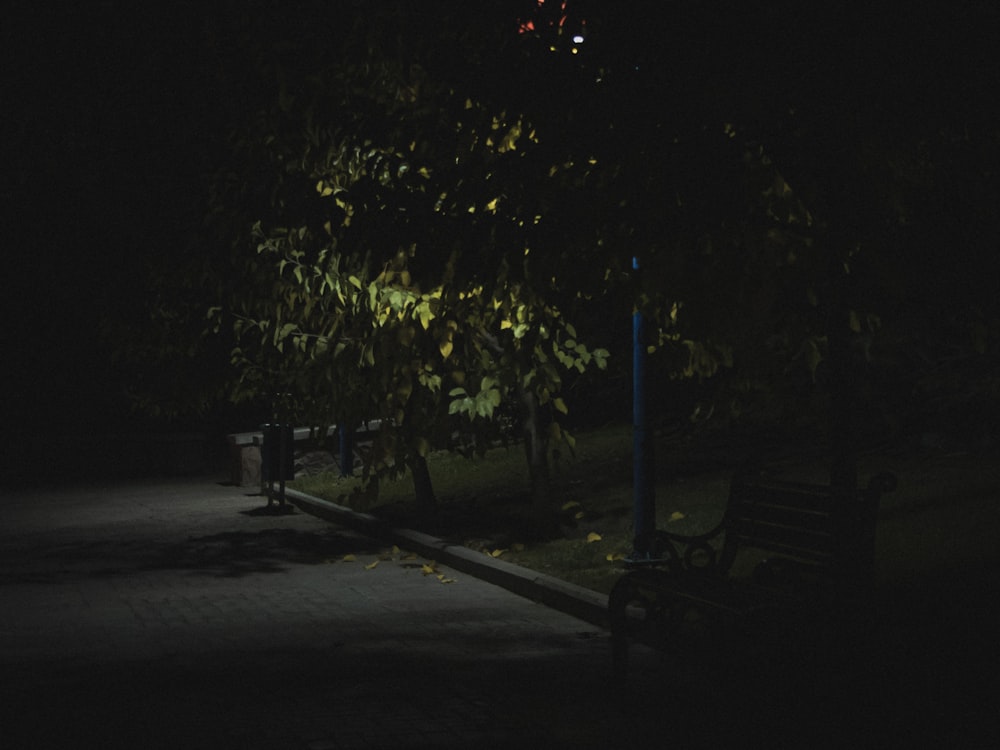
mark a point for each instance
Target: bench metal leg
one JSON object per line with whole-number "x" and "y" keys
{"x": 634, "y": 613}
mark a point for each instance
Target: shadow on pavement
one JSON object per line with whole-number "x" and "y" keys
{"x": 362, "y": 695}
{"x": 271, "y": 510}
{"x": 237, "y": 553}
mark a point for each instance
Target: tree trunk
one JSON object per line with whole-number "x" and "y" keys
{"x": 536, "y": 443}
{"x": 536, "y": 451}
{"x": 845, "y": 371}
{"x": 423, "y": 489}
{"x": 843, "y": 423}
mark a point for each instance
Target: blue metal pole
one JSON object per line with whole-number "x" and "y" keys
{"x": 644, "y": 506}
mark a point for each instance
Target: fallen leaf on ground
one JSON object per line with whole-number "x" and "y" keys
{"x": 443, "y": 579}
{"x": 613, "y": 556}
{"x": 676, "y": 516}
{"x": 349, "y": 558}
{"x": 497, "y": 552}
{"x": 429, "y": 568}
{"x": 593, "y": 536}
{"x": 570, "y": 505}
{"x": 371, "y": 565}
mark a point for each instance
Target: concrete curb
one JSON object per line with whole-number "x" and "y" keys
{"x": 578, "y": 601}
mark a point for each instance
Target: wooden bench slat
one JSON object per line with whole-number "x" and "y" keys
{"x": 783, "y": 516}
{"x": 792, "y": 497}
{"x": 765, "y": 535}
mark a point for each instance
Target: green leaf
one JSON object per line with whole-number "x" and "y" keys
{"x": 425, "y": 315}
{"x": 422, "y": 447}
{"x": 813, "y": 356}
{"x": 570, "y": 440}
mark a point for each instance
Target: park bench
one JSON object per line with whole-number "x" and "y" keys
{"x": 809, "y": 551}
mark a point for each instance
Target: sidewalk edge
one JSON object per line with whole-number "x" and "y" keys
{"x": 589, "y": 606}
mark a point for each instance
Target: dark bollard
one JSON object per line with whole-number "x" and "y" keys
{"x": 346, "y": 451}
{"x": 277, "y": 458}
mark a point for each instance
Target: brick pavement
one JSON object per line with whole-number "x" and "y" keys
{"x": 171, "y": 615}
{"x": 166, "y": 615}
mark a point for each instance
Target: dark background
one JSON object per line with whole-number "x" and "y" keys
{"x": 113, "y": 115}
{"x": 109, "y": 130}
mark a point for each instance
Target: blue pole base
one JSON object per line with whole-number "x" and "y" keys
{"x": 646, "y": 560}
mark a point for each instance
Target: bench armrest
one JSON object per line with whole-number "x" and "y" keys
{"x": 687, "y": 551}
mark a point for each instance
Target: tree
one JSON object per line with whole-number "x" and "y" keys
{"x": 410, "y": 220}
{"x": 399, "y": 267}
{"x": 774, "y": 168}
{"x": 850, "y": 120}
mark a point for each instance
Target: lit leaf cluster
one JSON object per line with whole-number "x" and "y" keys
{"x": 399, "y": 267}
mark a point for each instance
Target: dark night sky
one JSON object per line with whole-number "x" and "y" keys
{"x": 109, "y": 117}
{"x": 101, "y": 173}
{"x": 113, "y": 110}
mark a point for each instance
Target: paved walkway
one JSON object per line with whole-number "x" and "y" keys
{"x": 170, "y": 615}
{"x": 175, "y": 615}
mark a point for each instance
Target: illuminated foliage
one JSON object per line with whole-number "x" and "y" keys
{"x": 400, "y": 266}
{"x": 416, "y": 217}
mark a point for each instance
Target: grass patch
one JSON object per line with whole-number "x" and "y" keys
{"x": 946, "y": 506}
